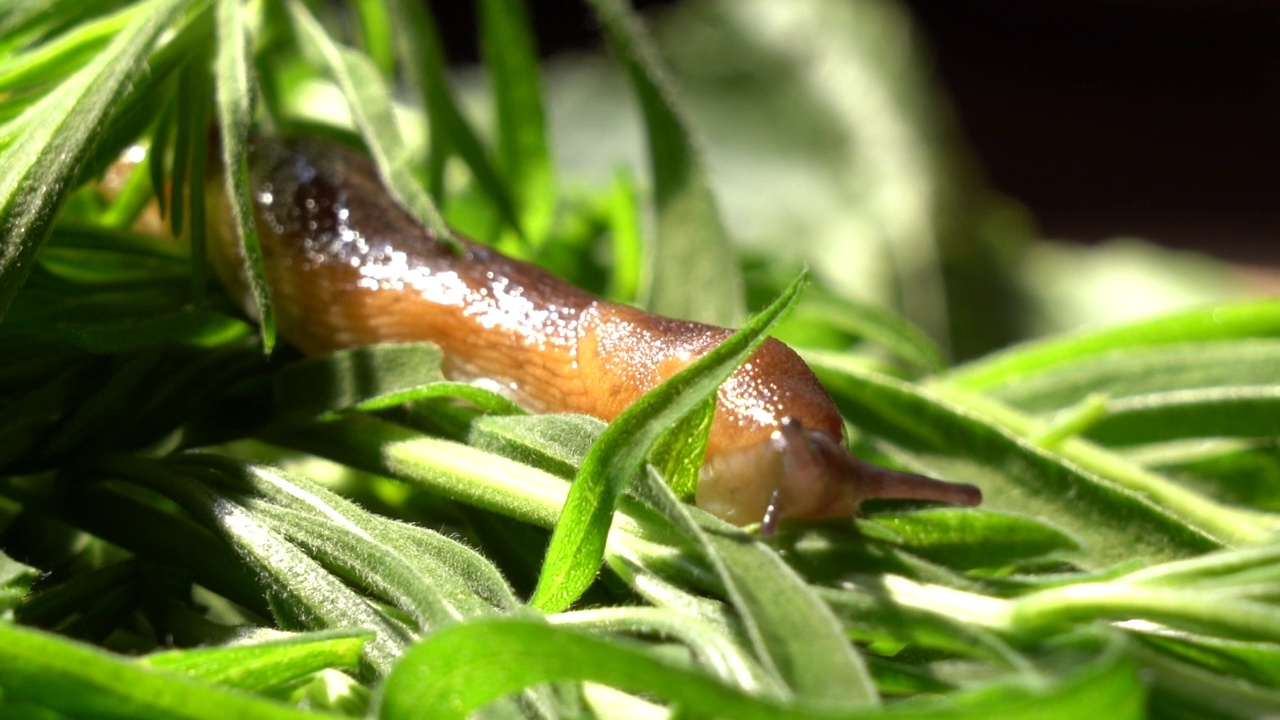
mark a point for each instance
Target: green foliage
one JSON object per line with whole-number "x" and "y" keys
{"x": 190, "y": 528}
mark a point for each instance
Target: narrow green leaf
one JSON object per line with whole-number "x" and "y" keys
{"x": 303, "y": 594}
{"x": 159, "y": 152}
{"x": 1260, "y": 318}
{"x": 458, "y": 670}
{"x": 186, "y": 126}
{"x": 52, "y": 605}
{"x": 986, "y": 446}
{"x": 423, "y": 551}
{"x": 1143, "y": 370}
{"x": 443, "y": 674}
{"x": 265, "y": 664}
{"x": 418, "y": 45}
{"x": 82, "y": 681}
{"x": 433, "y": 598}
{"x": 711, "y": 643}
{"x": 51, "y": 59}
{"x": 626, "y": 240}
{"x": 234, "y": 99}
{"x": 578, "y": 542}
{"x": 375, "y": 35}
{"x": 447, "y": 468}
{"x": 506, "y": 40}
{"x": 1207, "y": 613}
{"x": 38, "y": 167}
{"x": 877, "y": 325}
{"x": 969, "y": 538}
{"x": 795, "y": 635}
{"x": 678, "y": 452}
{"x": 1242, "y": 411}
{"x": 1181, "y": 689}
{"x": 182, "y": 326}
{"x": 554, "y": 443}
{"x": 695, "y": 273}
{"x": 372, "y": 378}
{"x": 369, "y": 100}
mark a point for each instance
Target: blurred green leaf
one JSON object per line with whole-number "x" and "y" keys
{"x": 418, "y": 47}
{"x": 1255, "y": 319}
{"x": 512, "y": 61}
{"x": 369, "y": 100}
{"x": 694, "y": 273}
{"x": 1238, "y": 411}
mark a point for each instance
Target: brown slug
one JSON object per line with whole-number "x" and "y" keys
{"x": 348, "y": 267}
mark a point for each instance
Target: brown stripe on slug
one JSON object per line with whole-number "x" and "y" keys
{"x": 349, "y": 267}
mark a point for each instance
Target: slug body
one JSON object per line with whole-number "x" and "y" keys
{"x": 348, "y": 267}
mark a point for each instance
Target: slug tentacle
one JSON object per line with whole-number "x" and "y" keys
{"x": 348, "y": 267}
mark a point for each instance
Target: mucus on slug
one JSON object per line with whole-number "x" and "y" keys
{"x": 349, "y": 267}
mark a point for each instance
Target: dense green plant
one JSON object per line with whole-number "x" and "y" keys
{"x": 208, "y": 532}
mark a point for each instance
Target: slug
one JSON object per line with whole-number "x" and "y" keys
{"x": 349, "y": 267}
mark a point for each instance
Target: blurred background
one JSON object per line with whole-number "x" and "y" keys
{"x": 951, "y": 139}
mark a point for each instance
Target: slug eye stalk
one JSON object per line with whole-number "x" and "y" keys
{"x": 819, "y": 478}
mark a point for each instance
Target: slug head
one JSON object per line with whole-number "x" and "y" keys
{"x": 802, "y": 473}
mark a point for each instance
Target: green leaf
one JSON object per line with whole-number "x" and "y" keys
{"x": 1259, "y": 318}
{"x": 1139, "y": 371}
{"x": 577, "y": 544}
{"x": 371, "y": 378}
{"x": 418, "y": 45}
{"x": 876, "y": 325}
{"x": 444, "y": 675}
{"x": 554, "y": 443}
{"x": 969, "y": 538}
{"x": 458, "y": 670}
{"x": 15, "y": 583}
{"x": 50, "y": 60}
{"x": 1239, "y": 411}
{"x": 234, "y": 98}
{"x": 81, "y": 681}
{"x": 369, "y": 100}
{"x": 695, "y": 273}
{"x": 375, "y": 34}
{"x": 512, "y": 61}
{"x": 267, "y": 663}
{"x": 678, "y": 452}
{"x": 39, "y": 166}
{"x": 988, "y": 445}
{"x": 447, "y": 468}
{"x": 184, "y": 326}
{"x": 303, "y": 594}
{"x": 626, "y": 240}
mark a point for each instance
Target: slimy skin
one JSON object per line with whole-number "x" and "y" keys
{"x": 348, "y": 267}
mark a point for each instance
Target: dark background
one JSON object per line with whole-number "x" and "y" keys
{"x": 1155, "y": 119}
